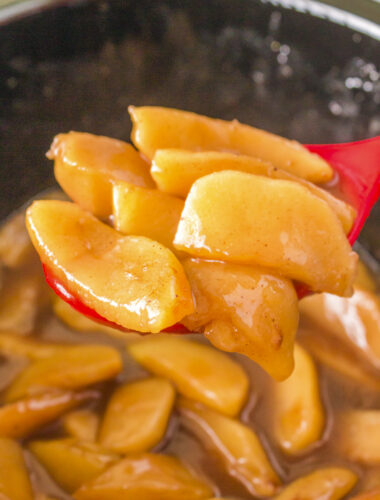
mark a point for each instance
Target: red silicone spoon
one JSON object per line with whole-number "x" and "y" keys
{"x": 357, "y": 168}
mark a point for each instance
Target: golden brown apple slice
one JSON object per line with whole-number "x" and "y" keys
{"x": 158, "y": 128}
{"x": 15, "y": 246}
{"x": 72, "y": 368}
{"x": 331, "y": 483}
{"x": 81, "y": 424}
{"x": 86, "y": 165}
{"x": 24, "y": 297}
{"x": 145, "y": 476}
{"x": 359, "y": 435}
{"x": 137, "y": 415}
{"x": 176, "y": 170}
{"x": 70, "y": 462}
{"x": 237, "y": 444}
{"x": 23, "y": 417}
{"x": 298, "y": 415}
{"x": 130, "y": 280}
{"x": 14, "y": 478}
{"x": 245, "y": 309}
{"x": 279, "y": 224}
{"x": 345, "y": 362}
{"x": 146, "y": 212}
{"x": 13, "y": 346}
{"x": 198, "y": 371}
{"x": 354, "y": 321}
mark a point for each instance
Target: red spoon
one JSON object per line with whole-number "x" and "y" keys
{"x": 357, "y": 168}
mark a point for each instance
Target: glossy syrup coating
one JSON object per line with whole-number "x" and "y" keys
{"x": 157, "y": 128}
{"x": 85, "y": 166}
{"x": 279, "y": 224}
{"x": 141, "y": 286}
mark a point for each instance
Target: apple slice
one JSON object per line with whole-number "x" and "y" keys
{"x": 129, "y": 280}
{"x": 238, "y": 446}
{"x": 82, "y": 425}
{"x": 245, "y": 309}
{"x": 278, "y": 224}
{"x": 176, "y": 170}
{"x": 158, "y": 128}
{"x": 70, "y": 462}
{"x": 145, "y": 476}
{"x": 329, "y": 483}
{"x": 85, "y": 166}
{"x": 14, "y": 477}
{"x": 146, "y": 212}
{"x": 298, "y": 415}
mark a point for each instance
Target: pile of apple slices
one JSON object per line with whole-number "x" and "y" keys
{"x": 209, "y": 225}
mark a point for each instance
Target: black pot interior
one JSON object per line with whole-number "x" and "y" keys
{"x": 79, "y": 66}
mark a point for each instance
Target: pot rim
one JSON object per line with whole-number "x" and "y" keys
{"x": 363, "y": 18}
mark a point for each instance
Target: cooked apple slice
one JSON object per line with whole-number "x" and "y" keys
{"x": 85, "y": 166}
{"x": 146, "y": 212}
{"x": 331, "y": 483}
{"x": 145, "y": 477}
{"x": 158, "y": 128}
{"x": 176, "y": 170}
{"x": 13, "y": 346}
{"x": 22, "y": 418}
{"x": 198, "y": 371}
{"x": 245, "y": 309}
{"x": 14, "y": 478}
{"x": 15, "y": 246}
{"x": 82, "y": 425}
{"x": 279, "y": 224}
{"x": 328, "y": 351}
{"x": 72, "y": 463}
{"x": 339, "y": 317}
{"x": 130, "y": 280}
{"x": 24, "y": 297}
{"x": 359, "y": 435}
{"x": 237, "y": 444}
{"x": 137, "y": 415}
{"x": 298, "y": 415}
{"x": 74, "y": 368}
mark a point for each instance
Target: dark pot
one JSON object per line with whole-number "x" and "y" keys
{"x": 77, "y": 65}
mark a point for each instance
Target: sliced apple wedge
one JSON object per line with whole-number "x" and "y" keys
{"x": 145, "y": 476}
{"x": 146, "y": 212}
{"x": 245, "y": 309}
{"x": 137, "y": 415}
{"x": 176, "y": 170}
{"x": 23, "y": 417}
{"x": 132, "y": 281}
{"x": 238, "y": 446}
{"x": 198, "y": 371}
{"x": 71, "y": 462}
{"x": 278, "y": 224}
{"x": 297, "y": 413}
{"x": 329, "y": 483}
{"x": 158, "y": 128}
{"x": 14, "y": 478}
{"x": 85, "y": 166}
